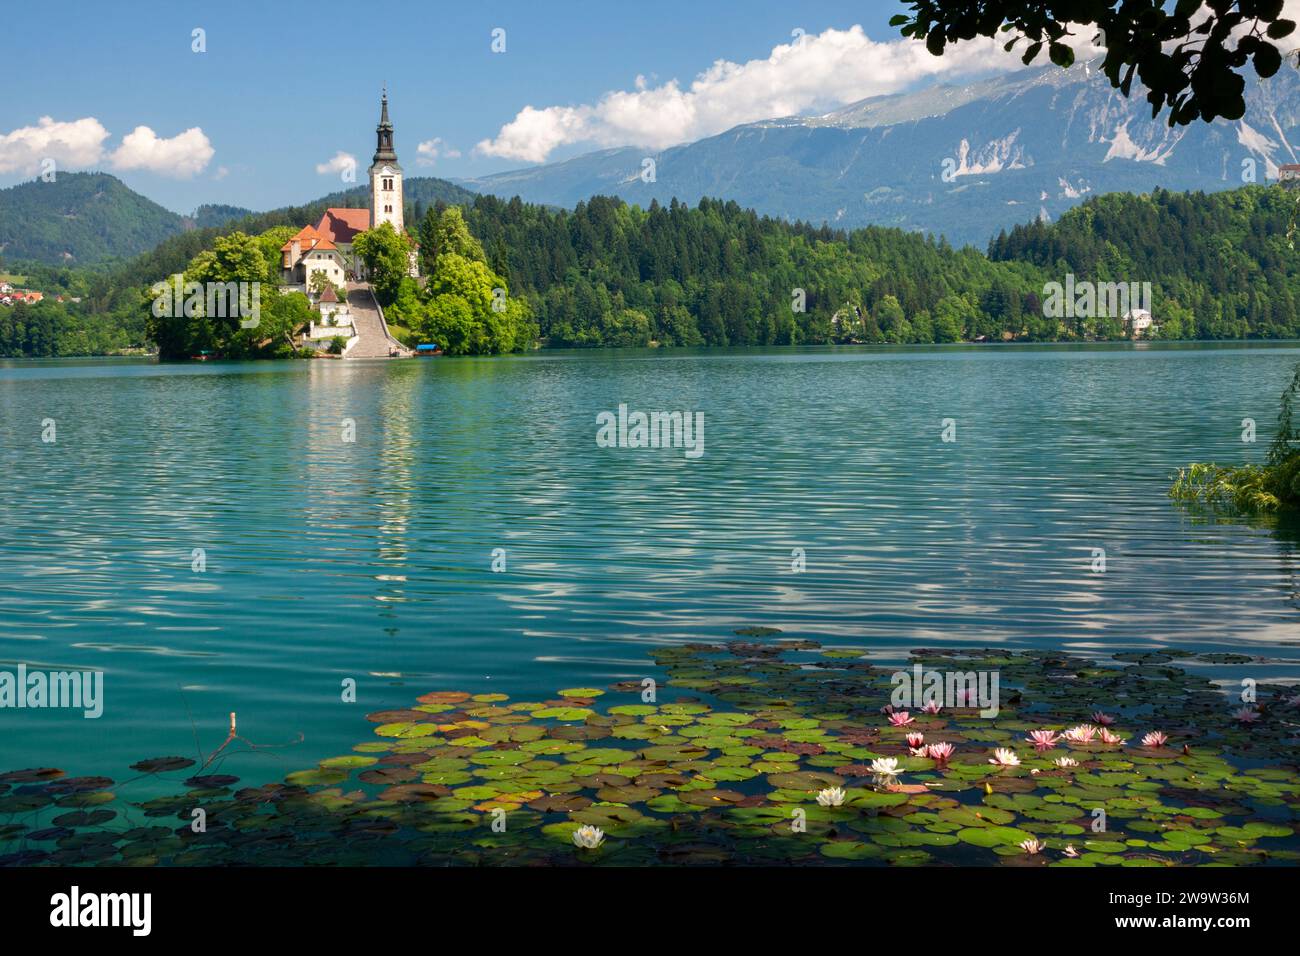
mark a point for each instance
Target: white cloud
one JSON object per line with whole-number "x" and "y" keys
{"x": 184, "y": 155}
{"x": 71, "y": 145}
{"x": 340, "y": 162}
{"x": 431, "y": 149}
{"x": 812, "y": 72}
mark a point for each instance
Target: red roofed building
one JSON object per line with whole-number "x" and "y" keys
{"x": 310, "y": 252}
{"x": 16, "y": 296}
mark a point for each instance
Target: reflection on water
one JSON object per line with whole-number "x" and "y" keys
{"x": 372, "y": 559}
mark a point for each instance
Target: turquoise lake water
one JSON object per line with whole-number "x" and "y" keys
{"x": 372, "y": 559}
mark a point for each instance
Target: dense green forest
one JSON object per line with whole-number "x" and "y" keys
{"x": 1222, "y": 263}
{"x": 609, "y": 274}
{"x": 1220, "y": 267}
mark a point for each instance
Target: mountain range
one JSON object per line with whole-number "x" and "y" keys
{"x": 965, "y": 162}
{"x": 959, "y": 161}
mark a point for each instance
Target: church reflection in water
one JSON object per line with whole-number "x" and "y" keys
{"x": 359, "y": 476}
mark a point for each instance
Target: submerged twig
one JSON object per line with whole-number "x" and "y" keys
{"x": 229, "y": 737}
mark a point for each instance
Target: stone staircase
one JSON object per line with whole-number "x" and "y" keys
{"x": 373, "y": 338}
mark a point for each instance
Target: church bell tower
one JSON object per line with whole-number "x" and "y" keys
{"x": 385, "y": 175}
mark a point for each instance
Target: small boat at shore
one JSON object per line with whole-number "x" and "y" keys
{"x": 428, "y": 350}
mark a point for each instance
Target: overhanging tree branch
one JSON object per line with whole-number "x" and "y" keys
{"x": 1190, "y": 55}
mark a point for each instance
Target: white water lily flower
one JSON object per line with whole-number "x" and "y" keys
{"x": 831, "y": 797}
{"x": 1066, "y": 762}
{"x": 1005, "y": 757}
{"x": 1032, "y": 847}
{"x": 588, "y": 837}
{"x": 885, "y": 766}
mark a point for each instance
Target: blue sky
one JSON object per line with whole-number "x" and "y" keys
{"x": 283, "y": 88}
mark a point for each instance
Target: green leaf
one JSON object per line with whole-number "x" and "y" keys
{"x": 1267, "y": 60}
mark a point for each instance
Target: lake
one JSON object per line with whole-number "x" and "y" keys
{"x": 324, "y": 559}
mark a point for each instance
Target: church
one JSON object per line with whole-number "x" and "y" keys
{"x": 327, "y": 246}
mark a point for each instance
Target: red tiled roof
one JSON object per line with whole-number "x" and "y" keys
{"x": 341, "y": 225}
{"x": 309, "y": 240}
{"x": 306, "y": 235}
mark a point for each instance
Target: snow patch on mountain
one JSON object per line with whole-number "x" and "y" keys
{"x": 1123, "y": 147}
{"x": 1069, "y": 191}
{"x": 1258, "y": 143}
{"x": 993, "y": 157}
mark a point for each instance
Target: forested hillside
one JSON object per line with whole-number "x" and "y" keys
{"x": 609, "y": 274}
{"x": 716, "y": 274}
{"x": 80, "y": 219}
{"x": 1222, "y": 264}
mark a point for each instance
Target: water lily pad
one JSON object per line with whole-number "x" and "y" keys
{"x": 309, "y": 778}
{"x": 993, "y": 836}
{"x": 162, "y": 764}
{"x": 564, "y": 713}
{"x": 211, "y": 781}
{"x": 406, "y": 729}
{"x": 350, "y": 762}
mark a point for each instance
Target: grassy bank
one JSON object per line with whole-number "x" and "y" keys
{"x": 1250, "y": 489}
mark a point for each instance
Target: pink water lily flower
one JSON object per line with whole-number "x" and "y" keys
{"x": 1155, "y": 739}
{"x": 1104, "y": 719}
{"x": 1042, "y": 739}
{"x": 915, "y": 739}
{"x": 1107, "y": 737}
{"x": 1005, "y": 757}
{"x": 901, "y": 718}
{"x": 1070, "y": 851}
{"x": 931, "y": 707}
{"x": 1082, "y": 734}
{"x": 1247, "y": 715}
{"x": 940, "y": 752}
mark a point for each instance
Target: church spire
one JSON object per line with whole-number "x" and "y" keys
{"x": 384, "y": 134}
{"x": 385, "y": 174}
